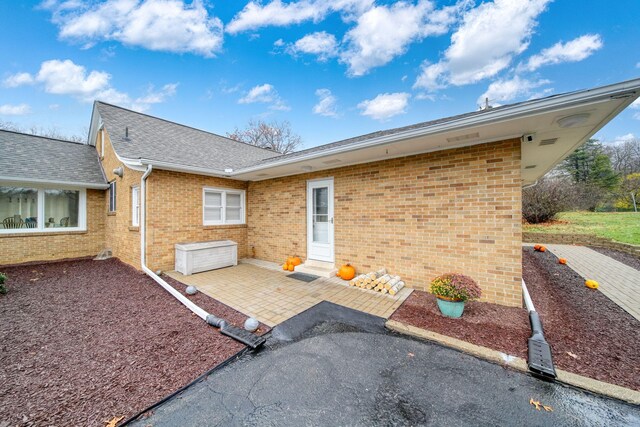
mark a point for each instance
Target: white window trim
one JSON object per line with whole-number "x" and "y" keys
{"x": 82, "y": 207}
{"x": 135, "y": 206}
{"x": 223, "y": 219}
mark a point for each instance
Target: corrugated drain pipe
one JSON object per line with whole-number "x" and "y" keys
{"x": 540, "y": 361}
{"x": 207, "y": 317}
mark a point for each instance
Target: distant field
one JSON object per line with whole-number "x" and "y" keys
{"x": 620, "y": 226}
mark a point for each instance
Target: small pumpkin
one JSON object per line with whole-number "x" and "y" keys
{"x": 542, "y": 248}
{"x": 537, "y": 247}
{"x": 591, "y": 284}
{"x": 562, "y": 261}
{"x": 291, "y": 267}
{"x": 285, "y": 266}
{"x": 294, "y": 260}
{"x": 347, "y": 272}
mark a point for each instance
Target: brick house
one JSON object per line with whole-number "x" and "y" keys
{"x": 419, "y": 200}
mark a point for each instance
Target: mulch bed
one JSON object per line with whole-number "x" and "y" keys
{"x": 490, "y": 325}
{"x": 84, "y": 341}
{"x": 604, "y": 338}
{"x": 623, "y": 257}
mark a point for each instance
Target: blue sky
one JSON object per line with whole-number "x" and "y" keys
{"x": 334, "y": 69}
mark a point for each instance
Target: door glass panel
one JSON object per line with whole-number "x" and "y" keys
{"x": 320, "y": 215}
{"x": 61, "y": 208}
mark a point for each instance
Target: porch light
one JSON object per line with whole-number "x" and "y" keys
{"x": 573, "y": 120}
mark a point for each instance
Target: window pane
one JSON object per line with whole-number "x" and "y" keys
{"x": 61, "y": 208}
{"x": 112, "y": 196}
{"x": 233, "y": 214}
{"x": 18, "y": 207}
{"x": 321, "y": 201}
{"x": 233, "y": 200}
{"x": 212, "y": 214}
{"x": 135, "y": 206}
{"x": 212, "y": 198}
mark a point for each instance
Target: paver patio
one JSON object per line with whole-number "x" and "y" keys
{"x": 258, "y": 290}
{"x": 619, "y": 282}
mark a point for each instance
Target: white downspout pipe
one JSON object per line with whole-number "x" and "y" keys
{"x": 527, "y": 298}
{"x": 209, "y": 318}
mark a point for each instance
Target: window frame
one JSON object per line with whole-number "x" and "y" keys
{"x": 82, "y": 209}
{"x": 135, "y": 206}
{"x": 223, "y": 216}
{"x": 112, "y": 194}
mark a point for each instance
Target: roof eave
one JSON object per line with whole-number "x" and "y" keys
{"x": 40, "y": 181}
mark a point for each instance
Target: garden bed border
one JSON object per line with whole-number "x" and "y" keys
{"x": 580, "y": 239}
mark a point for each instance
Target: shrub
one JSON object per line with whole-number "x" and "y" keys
{"x": 3, "y": 278}
{"x": 456, "y": 286}
{"x": 543, "y": 201}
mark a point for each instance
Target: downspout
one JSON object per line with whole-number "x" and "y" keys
{"x": 539, "y": 360}
{"x": 207, "y": 317}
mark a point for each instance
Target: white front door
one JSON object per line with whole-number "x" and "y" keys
{"x": 320, "y": 220}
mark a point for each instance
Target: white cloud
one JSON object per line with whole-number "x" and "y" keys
{"x": 509, "y": 89}
{"x": 326, "y": 105}
{"x": 264, "y": 94}
{"x": 64, "y": 77}
{"x": 161, "y": 25}
{"x": 624, "y": 138}
{"x": 18, "y": 79}
{"x": 275, "y": 13}
{"x": 14, "y": 110}
{"x": 484, "y": 44}
{"x": 571, "y": 51}
{"x": 384, "y": 32}
{"x": 385, "y": 105}
{"x": 321, "y": 44}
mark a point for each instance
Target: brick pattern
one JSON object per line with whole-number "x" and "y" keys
{"x": 19, "y": 248}
{"x": 120, "y": 236}
{"x": 174, "y": 203}
{"x": 418, "y": 216}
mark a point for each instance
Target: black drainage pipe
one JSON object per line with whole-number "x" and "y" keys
{"x": 540, "y": 360}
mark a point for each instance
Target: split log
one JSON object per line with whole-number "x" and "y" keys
{"x": 391, "y": 283}
{"x": 398, "y": 286}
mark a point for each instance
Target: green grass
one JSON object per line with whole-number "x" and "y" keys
{"x": 619, "y": 226}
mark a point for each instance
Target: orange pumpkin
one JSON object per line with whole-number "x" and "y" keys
{"x": 537, "y": 247}
{"x": 591, "y": 284}
{"x": 294, "y": 260}
{"x": 562, "y": 261}
{"x": 285, "y": 266}
{"x": 347, "y": 272}
{"x": 291, "y": 266}
{"x": 542, "y": 249}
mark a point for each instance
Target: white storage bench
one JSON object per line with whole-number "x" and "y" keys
{"x": 195, "y": 257}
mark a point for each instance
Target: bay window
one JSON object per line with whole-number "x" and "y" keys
{"x": 223, "y": 206}
{"x": 25, "y": 209}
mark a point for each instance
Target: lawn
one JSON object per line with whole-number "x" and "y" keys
{"x": 619, "y": 226}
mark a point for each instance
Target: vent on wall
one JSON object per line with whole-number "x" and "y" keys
{"x": 530, "y": 166}
{"x": 549, "y": 141}
{"x": 463, "y": 137}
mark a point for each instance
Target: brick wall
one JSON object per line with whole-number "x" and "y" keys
{"x": 418, "y": 216}
{"x": 120, "y": 236}
{"x": 19, "y": 248}
{"x": 174, "y": 203}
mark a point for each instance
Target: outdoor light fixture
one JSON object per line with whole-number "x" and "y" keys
{"x": 573, "y": 120}
{"x": 119, "y": 171}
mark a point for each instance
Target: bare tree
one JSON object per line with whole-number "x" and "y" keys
{"x": 51, "y": 132}
{"x": 276, "y": 136}
{"x": 625, "y": 156}
{"x": 543, "y": 201}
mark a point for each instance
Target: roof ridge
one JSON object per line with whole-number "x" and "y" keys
{"x": 43, "y": 137}
{"x": 186, "y": 126}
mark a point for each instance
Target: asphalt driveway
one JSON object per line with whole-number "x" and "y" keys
{"x": 341, "y": 368}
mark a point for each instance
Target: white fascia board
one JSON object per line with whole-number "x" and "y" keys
{"x": 182, "y": 168}
{"x": 94, "y": 125}
{"x": 40, "y": 182}
{"x": 490, "y": 117}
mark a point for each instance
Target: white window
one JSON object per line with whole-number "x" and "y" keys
{"x": 222, "y": 206}
{"x": 135, "y": 206}
{"x": 112, "y": 196}
{"x": 30, "y": 209}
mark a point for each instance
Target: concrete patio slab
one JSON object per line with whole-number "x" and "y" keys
{"x": 266, "y": 293}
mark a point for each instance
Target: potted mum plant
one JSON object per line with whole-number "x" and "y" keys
{"x": 452, "y": 290}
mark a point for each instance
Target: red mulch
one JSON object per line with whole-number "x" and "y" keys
{"x": 582, "y": 321}
{"x": 490, "y": 325}
{"x": 84, "y": 341}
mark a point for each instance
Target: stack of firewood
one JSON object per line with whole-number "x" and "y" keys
{"x": 378, "y": 281}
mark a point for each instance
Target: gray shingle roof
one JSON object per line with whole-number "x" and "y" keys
{"x": 36, "y": 158}
{"x": 164, "y": 141}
